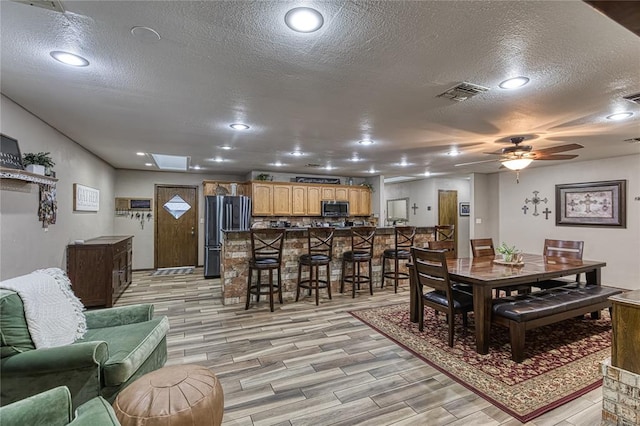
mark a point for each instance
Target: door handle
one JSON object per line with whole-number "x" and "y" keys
{"x": 193, "y": 230}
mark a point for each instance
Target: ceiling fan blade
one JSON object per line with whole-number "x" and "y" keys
{"x": 499, "y": 152}
{"x": 475, "y": 162}
{"x": 556, "y": 157}
{"x": 559, "y": 148}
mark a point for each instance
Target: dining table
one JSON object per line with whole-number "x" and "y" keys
{"x": 487, "y": 273}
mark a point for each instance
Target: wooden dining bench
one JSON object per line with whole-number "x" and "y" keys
{"x": 524, "y": 312}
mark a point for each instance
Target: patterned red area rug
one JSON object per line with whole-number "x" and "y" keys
{"x": 563, "y": 360}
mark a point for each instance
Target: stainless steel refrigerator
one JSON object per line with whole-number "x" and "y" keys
{"x": 222, "y": 212}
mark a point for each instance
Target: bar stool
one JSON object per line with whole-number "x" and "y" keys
{"x": 361, "y": 251}
{"x": 319, "y": 253}
{"x": 266, "y": 255}
{"x": 404, "y": 236}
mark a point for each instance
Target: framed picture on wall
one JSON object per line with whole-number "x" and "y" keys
{"x": 465, "y": 209}
{"x": 10, "y": 156}
{"x": 592, "y": 204}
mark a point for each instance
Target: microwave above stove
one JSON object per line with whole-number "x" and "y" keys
{"x": 335, "y": 208}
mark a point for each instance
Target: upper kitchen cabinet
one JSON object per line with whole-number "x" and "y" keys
{"x": 314, "y": 197}
{"x": 262, "y": 199}
{"x": 299, "y": 194}
{"x": 282, "y": 199}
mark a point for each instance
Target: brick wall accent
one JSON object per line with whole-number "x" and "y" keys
{"x": 236, "y": 251}
{"x": 620, "y": 396}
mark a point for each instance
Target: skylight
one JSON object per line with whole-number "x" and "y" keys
{"x": 171, "y": 162}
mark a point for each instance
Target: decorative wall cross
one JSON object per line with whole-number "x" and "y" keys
{"x": 414, "y": 207}
{"x": 546, "y": 213}
{"x": 524, "y": 209}
{"x": 587, "y": 202}
{"x": 535, "y": 201}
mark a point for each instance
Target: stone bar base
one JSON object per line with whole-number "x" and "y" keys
{"x": 236, "y": 251}
{"x": 620, "y": 396}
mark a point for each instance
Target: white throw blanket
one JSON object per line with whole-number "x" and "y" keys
{"x": 53, "y": 313}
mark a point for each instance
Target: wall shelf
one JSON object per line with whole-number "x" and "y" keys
{"x": 24, "y": 176}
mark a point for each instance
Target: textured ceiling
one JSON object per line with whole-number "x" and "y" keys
{"x": 374, "y": 70}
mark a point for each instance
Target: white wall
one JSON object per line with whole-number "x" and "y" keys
{"x": 485, "y": 197}
{"x": 424, "y": 193}
{"x": 25, "y": 245}
{"x": 620, "y": 248}
{"x": 141, "y": 184}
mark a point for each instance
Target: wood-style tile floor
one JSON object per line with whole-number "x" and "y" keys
{"x": 308, "y": 365}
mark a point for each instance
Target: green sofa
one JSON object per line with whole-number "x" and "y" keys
{"x": 53, "y": 408}
{"x": 121, "y": 344}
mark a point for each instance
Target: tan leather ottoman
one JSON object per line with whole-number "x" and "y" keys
{"x": 180, "y": 395}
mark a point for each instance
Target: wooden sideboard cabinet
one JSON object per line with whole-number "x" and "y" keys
{"x": 625, "y": 344}
{"x": 100, "y": 269}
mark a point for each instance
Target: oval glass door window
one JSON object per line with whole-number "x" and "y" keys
{"x": 176, "y": 206}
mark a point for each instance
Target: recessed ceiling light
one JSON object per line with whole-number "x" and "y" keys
{"x": 355, "y": 159}
{"x": 514, "y": 83}
{"x": 218, "y": 160}
{"x": 277, "y": 164}
{"x": 329, "y": 167}
{"x": 140, "y": 153}
{"x": 297, "y": 154}
{"x": 372, "y": 170}
{"x": 366, "y": 142}
{"x": 145, "y": 33}
{"x": 619, "y": 116}
{"x": 225, "y": 147}
{"x": 196, "y": 167}
{"x": 148, "y": 164}
{"x": 239, "y": 126}
{"x": 304, "y": 19}
{"x": 427, "y": 174}
{"x": 69, "y": 58}
{"x": 404, "y": 163}
{"x": 453, "y": 152}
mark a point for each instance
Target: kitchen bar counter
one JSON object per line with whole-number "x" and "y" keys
{"x": 236, "y": 250}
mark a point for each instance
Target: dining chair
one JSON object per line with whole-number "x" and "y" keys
{"x": 404, "y": 236}
{"x": 561, "y": 251}
{"x": 445, "y": 232}
{"x": 319, "y": 253}
{"x": 430, "y": 270}
{"x": 481, "y": 247}
{"x": 266, "y": 255}
{"x": 447, "y": 245}
{"x": 362, "y": 238}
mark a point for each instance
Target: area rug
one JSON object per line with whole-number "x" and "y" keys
{"x": 183, "y": 270}
{"x": 563, "y": 360}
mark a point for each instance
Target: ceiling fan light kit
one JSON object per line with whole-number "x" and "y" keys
{"x": 517, "y": 163}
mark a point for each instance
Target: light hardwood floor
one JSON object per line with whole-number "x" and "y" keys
{"x": 308, "y": 365}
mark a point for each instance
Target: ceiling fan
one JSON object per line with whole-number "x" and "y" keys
{"x": 517, "y": 157}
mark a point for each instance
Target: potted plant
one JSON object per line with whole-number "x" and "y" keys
{"x": 39, "y": 163}
{"x": 263, "y": 176}
{"x": 509, "y": 254}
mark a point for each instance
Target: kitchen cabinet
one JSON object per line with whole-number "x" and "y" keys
{"x": 314, "y": 197}
{"x": 301, "y": 199}
{"x": 299, "y": 195}
{"x": 100, "y": 269}
{"x": 342, "y": 194}
{"x": 282, "y": 200}
{"x": 262, "y": 199}
{"x": 360, "y": 201}
{"x": 224, "y": 188}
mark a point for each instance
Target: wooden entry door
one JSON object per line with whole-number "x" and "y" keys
{"x": 176, "y": 236}
{"x": 448, "y": 211}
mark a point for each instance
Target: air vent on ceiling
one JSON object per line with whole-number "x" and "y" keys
{"x": 313, "y": 165}
{"x": 633, "y": 140}
{"x": 463, "y": 91}
{"x": 54, "y": 5}
{"x": 633, "y": 98}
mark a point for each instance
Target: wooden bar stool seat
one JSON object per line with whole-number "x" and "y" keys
{"x": 266, "y": 255}
{"x": 404, "y": 236}
{"x": 361, "y": 252}
{"x": 319, "y": 253}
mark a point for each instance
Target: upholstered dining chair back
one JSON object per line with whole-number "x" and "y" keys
{"x": 430, "y": 270}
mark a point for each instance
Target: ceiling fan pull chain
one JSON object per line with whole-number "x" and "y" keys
{"x": 517, "y": 176}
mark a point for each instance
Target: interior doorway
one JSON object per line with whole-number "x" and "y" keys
{"x": 176, "y": 226}
{"x": 448, "y": 211}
